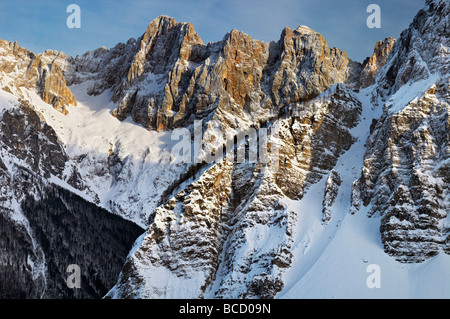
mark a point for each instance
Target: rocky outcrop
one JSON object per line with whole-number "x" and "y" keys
{"x": 421, "y": 50}
{"x": 306, "y": 66}
{"x": 52, "y": 82}
{"x": 330, "y": 194}
{"x": 373, "y": 64}
{"x": 311, "y": 150}
{"x": 405, "y": 174}
{"x": 43, "y": 73}
{"x": 29, "y": 139}
{"x": 168, "y": 77}
{"x": 21, "y": 134}
{"x": 184, "y": 238}
{"x": 202, "y": 235}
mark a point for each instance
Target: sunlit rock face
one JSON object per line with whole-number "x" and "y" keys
{"x": 340, "y": 141}
{"x": 168, "y": 77}
{"x": 406, "y": 165}
{"x": 373, "y": 64}
{"x": 42, "y": 72}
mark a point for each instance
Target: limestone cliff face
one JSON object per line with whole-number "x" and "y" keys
{"x": 45, "y": 156}
{"x": 52, "y": 82}
{"x": 167, "y": 51}
{"x": 42, "y": 72}
{"x": 405, "y": 174}
{"x": 310, "y": 149}
{"x": 203, "y": 233}
{"x": 306, "y": 66}
{"x": 168, "y": 77}
{"x": 35, "y": 145}
{"x": 374, "y": 63}
{"x": 421, "y": 49}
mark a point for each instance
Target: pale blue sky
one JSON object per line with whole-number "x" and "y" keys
{"x": 41, "y": 24}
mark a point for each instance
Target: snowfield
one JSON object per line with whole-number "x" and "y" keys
{"x": 358, "y": 209}
{"x": 91, "y": 135}
{"x": 330, "y": 261}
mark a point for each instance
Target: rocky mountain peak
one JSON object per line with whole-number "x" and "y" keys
{"x": 173, "y": 78}
{"x": 331, "y": 179}
{"x": 421, "y": 51}
{"x": 42, "y": 72}
{"x": 373, "y": 64}
{"x": 303, "y": 29}
{"x": 164, "y": 41}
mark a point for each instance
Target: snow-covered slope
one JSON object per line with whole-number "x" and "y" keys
{"x": 353, "y": 173}
{"x": 286, "y": 236}
{"x": 396, "y": 174}
{"x": 332, "y": 261}
{"x": 125, "y": 166}
{"x": 46, "y": 227}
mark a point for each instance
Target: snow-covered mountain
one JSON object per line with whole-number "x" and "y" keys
{"x": 347, "y": 165}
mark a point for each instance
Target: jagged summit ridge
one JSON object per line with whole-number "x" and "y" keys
{"x": 168, "y": 77}
{"x": 373, "y": 64}
{"x": 422, "y": 50}
{"x": 353, "y": 141}
{"x": 42, "y": 73}
{"x": 406, "y": 164}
